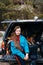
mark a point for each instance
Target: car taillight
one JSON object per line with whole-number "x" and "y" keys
{"x": 3, "y": 45}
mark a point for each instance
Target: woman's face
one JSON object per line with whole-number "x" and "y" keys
{"x": 18, "y": 31}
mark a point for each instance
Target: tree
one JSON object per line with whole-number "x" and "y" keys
{"x": 6, "y": 2}
{"x": 2, "y": 7}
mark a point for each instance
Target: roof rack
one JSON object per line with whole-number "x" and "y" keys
{"x": 18, "y": 20}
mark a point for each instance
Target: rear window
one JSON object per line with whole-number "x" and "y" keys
{"x": 1, "y": 34}
{"x": 3, "y": 26}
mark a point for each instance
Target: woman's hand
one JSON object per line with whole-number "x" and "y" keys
{"x": 26, "y": 57}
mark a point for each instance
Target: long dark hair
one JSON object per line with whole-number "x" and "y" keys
{"x": 14, "y": 38}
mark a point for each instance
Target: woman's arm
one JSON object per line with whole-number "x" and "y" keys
{"x": 26, "y": 47}
{"x": 26, "y": 57}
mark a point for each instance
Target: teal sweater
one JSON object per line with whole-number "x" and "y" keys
{"x": 23, "y": 44}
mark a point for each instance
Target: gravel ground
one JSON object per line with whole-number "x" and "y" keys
{"x": 4, "y": 63}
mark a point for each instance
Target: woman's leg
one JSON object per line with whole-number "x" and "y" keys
{"x": 33, "y": 62}
{"x": 22, "y": 61}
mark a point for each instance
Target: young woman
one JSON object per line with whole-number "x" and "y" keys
{"x": 19, "y": 45}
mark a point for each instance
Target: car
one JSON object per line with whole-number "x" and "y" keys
{"x": 28, "y": 27}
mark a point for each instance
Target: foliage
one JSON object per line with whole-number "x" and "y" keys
{"x": 40, "y": 16}
{"x": 6, "y": 2}
{"x": 8, "y": 10}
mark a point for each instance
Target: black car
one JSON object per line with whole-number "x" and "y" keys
{"x": 28, "y": 27}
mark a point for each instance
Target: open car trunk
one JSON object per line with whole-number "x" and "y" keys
{"x": 28, "y": 29}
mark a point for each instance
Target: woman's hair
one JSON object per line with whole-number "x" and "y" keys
{"x": 16, "y": 27}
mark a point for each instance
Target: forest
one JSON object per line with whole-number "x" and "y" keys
{"x": 20, "y": 9}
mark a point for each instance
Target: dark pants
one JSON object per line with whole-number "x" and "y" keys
{"x": 33, "y": 62}
{"x": 22, "y": 62}
{"x": 33, "y": 58}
